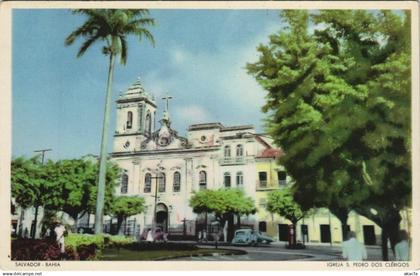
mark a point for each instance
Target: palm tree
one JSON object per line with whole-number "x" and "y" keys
{"x": 111, "y": 26}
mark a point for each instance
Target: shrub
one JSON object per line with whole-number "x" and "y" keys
{"x": 29, "y": 250}
{"x": 117, "y": 241}
{"x": 76, "y": 240}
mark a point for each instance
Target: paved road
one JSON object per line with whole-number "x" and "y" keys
{"x": 277, "y": 252}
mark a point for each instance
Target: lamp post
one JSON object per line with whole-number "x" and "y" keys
{"x": 156, "y": 197}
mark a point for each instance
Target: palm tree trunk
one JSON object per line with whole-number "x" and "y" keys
{"x": 103, "y": 154}
{"x": 35, "y": 222}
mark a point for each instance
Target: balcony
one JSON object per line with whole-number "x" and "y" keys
{"x": 226, "y": 161}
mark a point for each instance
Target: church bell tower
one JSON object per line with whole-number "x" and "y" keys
{"x": 136, "y": 112}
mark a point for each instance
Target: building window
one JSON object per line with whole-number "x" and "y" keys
{"x": 263, "y": 179}
{"x": 161, "y": 182}
{"x": 148, "y": 124}
{"x": 124, "y": 182}
{"x": 262, "y": 226}
{"x": 177, "y": 182}
{"x": 202, "y": 180}
{"x": 147, "y": 183}
{"x": 239, "y": 179}
{"x": 226, "y": 179}
{"x": 129, "y": 120}
{"x": 227, "y": 152}
{"x": 239, "y": 151}
{"x": 282, "y": 178}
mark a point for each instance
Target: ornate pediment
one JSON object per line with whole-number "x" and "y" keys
{"x": 165, "y": 138}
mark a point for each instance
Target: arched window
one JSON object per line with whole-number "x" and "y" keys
{"x": 148, "y": 123}
{"x": 226, "y": 179}
{"x": 161, "y": 182}
{"x": 177, "y": 182}
{"x": 239, "y": 150}
{"x": 129, "y": 120}
{"x": 147, "y": 183}
{"x": 124, "y": 182}
{"x": 202, "y": 180}
{"x": 227, "y": 152}
{"x": 239, "y": 179}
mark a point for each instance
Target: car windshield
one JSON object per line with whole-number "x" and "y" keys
{"x": 240, "y": 233}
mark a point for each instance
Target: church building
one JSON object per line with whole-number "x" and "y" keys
{"x": 165, "y": 168}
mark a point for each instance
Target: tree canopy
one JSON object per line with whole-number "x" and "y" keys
{"x": 281, "y": 202}
{"x": 338, "y": 102}
{"x": 222, "y": 202}
{"x": 65, "y": 185}
{"x": 126, "y": 206}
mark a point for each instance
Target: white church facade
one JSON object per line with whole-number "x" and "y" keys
{"x": 165, "y": 168}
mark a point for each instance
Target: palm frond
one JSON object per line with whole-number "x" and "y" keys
{"x": 88, "y": 42}
{"x": 142, "y": 22}
{"x": 83, "y": 30}
{"x": 146, "y": 33}
{"x": 139, "y": 12}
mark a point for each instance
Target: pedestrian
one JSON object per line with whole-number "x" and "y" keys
{"x": 149, "y": 236}
{"x": 199, "y": 236}
{"x": 205, "y": 235}
{"x": 402, "y": 248}
{"x": 353, "y": 250}
{"x": 60, "y": 232}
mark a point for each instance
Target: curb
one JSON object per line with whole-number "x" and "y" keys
{"x": 214, "y": 254}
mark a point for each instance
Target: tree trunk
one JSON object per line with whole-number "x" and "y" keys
{"x": 294, "y": 233}
{"x": 206, "y": 222}
{"x": 103, "y": 152}
{"x": 384, "y": 246}
{"x": 76, "y": 220}
{"x": 238, "y": 223}
{"x": 120, "y": 220}
{"x": 35, "y": 222}
{"x": 22, "y": 214}
{"x": 231, "y": 228}
{"x": 342, "y": 214}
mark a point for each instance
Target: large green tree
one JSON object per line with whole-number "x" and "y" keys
{"x": 65, "y": 185}
{"x": 76, "y": 192}
{"x": 26, "y": 185}
{"x": 224, "y": 204}
{"x": 111, "y": 26}
{"x": 126, "y": 206}
{"x": 281, "y": 202}
{"x": 339, "y": 105}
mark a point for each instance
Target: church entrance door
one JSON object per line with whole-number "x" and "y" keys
{"x": 162, "y": 216}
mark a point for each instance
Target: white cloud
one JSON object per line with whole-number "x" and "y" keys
{"x": 178, "y": 56}
{"x": 192, "y": 114}
{"x": 211, "y": 85}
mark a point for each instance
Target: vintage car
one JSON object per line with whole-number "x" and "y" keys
{"x": 157, "y": 235}
{"x": 262, "y": 238}
{"x": 250, "y": 237}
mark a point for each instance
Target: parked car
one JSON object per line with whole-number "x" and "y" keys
{"x": 262, "y": 238}
{"x": 244, "y": 237}
{"x": 157, "y": 235}
{"x": 250, "y": 237}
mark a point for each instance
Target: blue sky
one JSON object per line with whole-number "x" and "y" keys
{"x": 199, "y": 59}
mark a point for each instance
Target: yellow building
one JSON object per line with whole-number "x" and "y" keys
{"x": 318, "y": 227}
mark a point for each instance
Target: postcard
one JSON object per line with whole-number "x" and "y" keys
{"x": 270, "y": 135}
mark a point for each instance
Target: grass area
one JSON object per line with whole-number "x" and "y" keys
{"x": 114, "y": 254}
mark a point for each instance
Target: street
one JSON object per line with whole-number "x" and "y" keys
{"x": 278, "y": 252}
